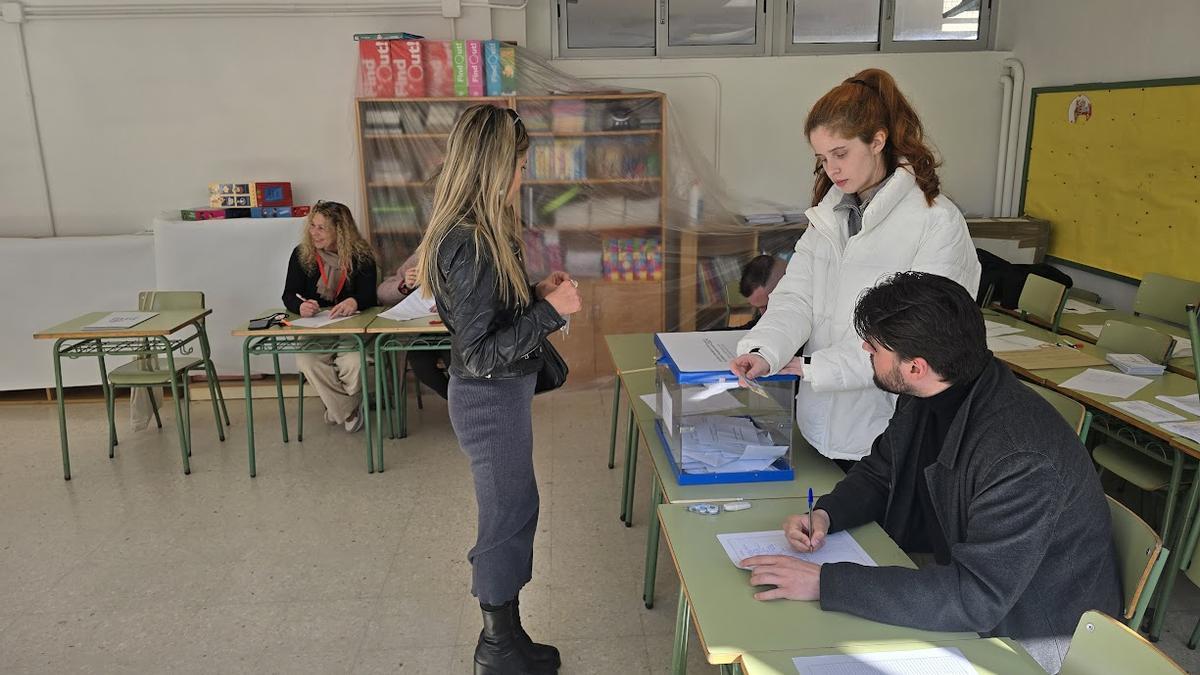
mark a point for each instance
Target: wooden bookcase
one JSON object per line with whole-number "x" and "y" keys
{"x": 596, "y": 177}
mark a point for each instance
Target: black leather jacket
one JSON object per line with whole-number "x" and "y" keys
{"x": 488, "y": 338}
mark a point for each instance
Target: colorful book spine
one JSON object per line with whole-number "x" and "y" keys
{"x": 508, "y": 70}
{"x": 410, "y": 68}
{"x": 491, "y": 67}
{"x": 459, "y": 50}
{"x": 475, "y": 85}
{"x": 439, "y": 68}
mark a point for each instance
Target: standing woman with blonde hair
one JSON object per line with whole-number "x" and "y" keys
{"x": 877, "y": 210}
{"x": 471, "y": 260}
{"x": 332, "y": 268}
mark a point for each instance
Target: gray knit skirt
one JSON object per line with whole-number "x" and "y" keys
{"x": 493, "y": 419}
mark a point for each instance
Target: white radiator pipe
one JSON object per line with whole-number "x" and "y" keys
{"x": 1012, "y": 193}
{"x": 1002, "y": 146}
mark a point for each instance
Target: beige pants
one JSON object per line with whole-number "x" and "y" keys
{"x": 336, "y": 378}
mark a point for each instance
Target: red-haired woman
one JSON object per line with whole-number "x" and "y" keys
{"x": 877, "y": 209}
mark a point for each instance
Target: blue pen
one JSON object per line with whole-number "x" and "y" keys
{"x": 810, "y": 521}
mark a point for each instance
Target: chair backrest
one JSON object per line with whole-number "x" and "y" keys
{"x": 1043, "y": 299}
{"x": 1074, "y": 412}
{"x": 163, "y": 301}
{"x": 734, "y": 298}
{"x": 1140, "y": 558}
{"x": 1164, "y": 297}
{"x": 1102, "y": 644}
{"x": 1125, "y": 338}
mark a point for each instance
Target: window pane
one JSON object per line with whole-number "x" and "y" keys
{"x": 711, "y": 22}
{"x": 819, "y": 21}
{"x": 937, "y": 19}
{"x": 599, "y": 24}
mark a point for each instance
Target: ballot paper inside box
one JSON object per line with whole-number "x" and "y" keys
{"x": 712, "y": 430}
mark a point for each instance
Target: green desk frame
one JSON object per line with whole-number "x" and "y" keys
{"x": 395, "y": 399}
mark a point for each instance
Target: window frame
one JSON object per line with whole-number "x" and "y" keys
{"x": 763, "y": 9}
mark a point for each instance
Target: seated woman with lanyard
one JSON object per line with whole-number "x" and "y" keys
{"x": 332, "y": 268}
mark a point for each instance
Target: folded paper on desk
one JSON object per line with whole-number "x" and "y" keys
{"x": 120, "y": 320}
{"x": 1189, "y": 430}
{"x": 997, "y": 329}
{"x": 1013, "y": 343}
{"x": 1147, "y": 411}
{"x": 1091, "y": 328}
{"x": 1190, "y": 403}
{"x": 415, "y": 306}
{"x": 838, "y": 547}
{"x": 318, "y": 320}
{"x": 931, "y": 661}
{"x": 1183, "y": 347}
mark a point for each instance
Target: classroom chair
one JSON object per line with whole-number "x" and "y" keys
{"x": 152, "y": 373}
{"x": 1163, "y": 297}
{"x": 1042, "y": 299}
{"x": 1125, "y": 338}
{"x": 735, "y": 303}
{"x": 1075, "y": 413}
{"x": 1103, "y": 645}
{"x": 1084, "y": 295}
{"x": 1123, "y": 452}
{"x": 1140, "y": 559}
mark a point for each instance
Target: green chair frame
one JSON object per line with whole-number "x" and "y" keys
{"x": 1140, "y": 557}
{"x": 1165, "y": 297}
{"x": 1102, "y": 644}
{"x": 1125, "y": 338}
{"x": 1043, "y": 299}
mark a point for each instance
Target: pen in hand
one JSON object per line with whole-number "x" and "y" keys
{"x": 810, "y": 521}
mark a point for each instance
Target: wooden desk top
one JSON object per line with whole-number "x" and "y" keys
{"x": 989, "y": 656}
{"x": 356, "y": 324}
{"x": 164, "y": 324}
{"x": 423, "y": 326}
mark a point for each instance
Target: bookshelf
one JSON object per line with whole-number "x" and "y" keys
{"x": 593, "y": 199}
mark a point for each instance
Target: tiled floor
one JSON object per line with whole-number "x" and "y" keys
{"x": 315, "y": 566}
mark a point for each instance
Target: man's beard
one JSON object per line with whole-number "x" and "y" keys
{"x": 893, "y": 382}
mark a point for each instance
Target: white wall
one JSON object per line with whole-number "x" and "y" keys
{"x": 762, "y": 102}
{"x": 1080, "y": 41}
{"x": 139, "y": 115}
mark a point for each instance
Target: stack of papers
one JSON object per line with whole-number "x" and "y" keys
{"x": 1135, "y": 364}
{"x": 1117, "y": 385}
{"x": 1148, "y": 411}
{"x": 1189, "y": 430}
{"x": 838, "y": 547}
{"x": 716, "y": 444}
{"x": 318, "y": 320}
{"x": 414, "y": 306}
{"x": 1013, "y": 343}
{"x": 931, "y": 661}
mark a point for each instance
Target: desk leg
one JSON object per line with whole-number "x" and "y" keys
{"x": 630, "y": 436}
{"x": 214, "y": 387}
{"x": 180, "y": 422}
{"x": 279, "y": 398}
{"x": 249, "y": 404}
{"x": 380, "y": 394}
{"x": 62, "y": 411}
{"x": 634, "y": 442}
{"x": 731, "y": 669}
{"x": 110, "y": 405}
{"x": 683, "y": 620}
{"x": 402, "y": 398}
{"x": 612, "y": 438}
{"x": 1177, "y": 463}
{"x": 364, "y": 409}
{"x": 399, "y": 417}
{"x": 1167, "y": 582}
{"x": 652, "y": 545}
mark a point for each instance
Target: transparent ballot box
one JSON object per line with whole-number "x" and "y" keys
{"x": 712, "y": 430}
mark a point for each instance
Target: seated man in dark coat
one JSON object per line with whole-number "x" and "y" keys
{"x": 975, "y": 473}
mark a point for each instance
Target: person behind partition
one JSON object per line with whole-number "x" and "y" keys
{"x": 877, "y": 209}
{"x": 470, "y": 258}
{"x": 430, "y": 366}
{"x": 333, "y": 269}
{"x": 976, "y": 476}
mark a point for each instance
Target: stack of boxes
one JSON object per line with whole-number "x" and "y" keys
{"x": 271, "y": 199}
{"x": 401, "y": 65}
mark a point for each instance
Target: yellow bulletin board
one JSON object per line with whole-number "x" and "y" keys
{"x": 1115, "y": 168}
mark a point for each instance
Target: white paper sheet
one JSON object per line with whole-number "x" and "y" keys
{"x": 1091, "y": 328}
{"x": 1077, "y": 307}
{"x": 838, "y": 547}
{"x": 120, "y": 320}
{"x": 413, "y": 306}
{"x": 1147, "y": 411}
{"x": 319, "y": 320}
{"x": 1013, "y": 343}
{"x": 1190, "y": 403}
{"x": 997, "y": 329}
{"x": 1117, "y": 385}
{"x": 705, "y": 351}
{"x": 1183, "y": 347}
{"x": 1186, "y": 429}
{"x": 931, "y": 661}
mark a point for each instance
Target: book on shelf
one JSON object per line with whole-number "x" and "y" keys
{"x": 475, "y": 77}
{"x": 715, "y": 273}
{"x": 408, "y": 61}
{"x": 491, "y": 67}
{"x": 439, "y": 68}
{"x": 508, "y": 70}
{"x": 458, "y": 49}
{"x": 375, "y": 72}
{"x": 632, "y": 259}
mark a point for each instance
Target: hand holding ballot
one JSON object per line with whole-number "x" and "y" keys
{"x": 748, "y": 367}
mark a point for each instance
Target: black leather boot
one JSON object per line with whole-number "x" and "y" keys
{"x": 499, "y": 650}
{"x": 540, "y": 654}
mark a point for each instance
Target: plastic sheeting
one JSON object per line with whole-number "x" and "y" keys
{"x": 614, "y": 194}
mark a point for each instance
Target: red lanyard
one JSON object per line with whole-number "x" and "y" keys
{"x": 342, "y": 282}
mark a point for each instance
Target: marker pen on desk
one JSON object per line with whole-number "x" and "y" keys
{"x": 810, "y": 521}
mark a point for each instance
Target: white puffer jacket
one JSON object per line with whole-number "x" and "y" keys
{"x": 838, "y": 409}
